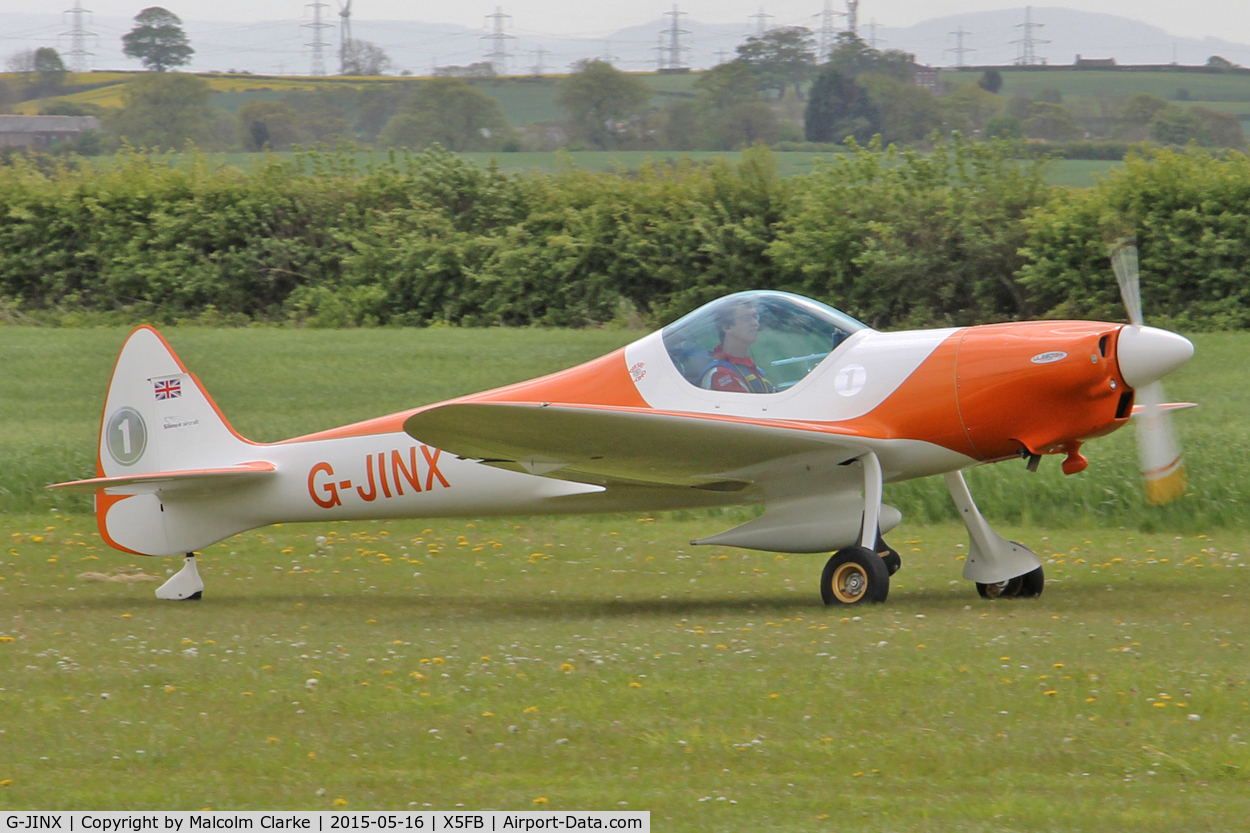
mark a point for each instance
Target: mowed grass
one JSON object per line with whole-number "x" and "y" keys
{"x": 600, "y": 663}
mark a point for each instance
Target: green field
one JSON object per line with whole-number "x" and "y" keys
{"x": 601, "y": 663}
{"x": 1200, "y": 86}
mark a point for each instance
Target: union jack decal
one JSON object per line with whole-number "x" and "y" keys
{"x": 168, "y": 388}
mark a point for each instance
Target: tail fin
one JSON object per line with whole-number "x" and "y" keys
{"x": 164, "y": 447}
{"x": 157, "y": 416}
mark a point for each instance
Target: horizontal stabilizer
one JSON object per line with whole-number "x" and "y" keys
{"x": 168, "y": 481}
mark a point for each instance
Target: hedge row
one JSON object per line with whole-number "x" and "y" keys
{"x": 961, "y": 235}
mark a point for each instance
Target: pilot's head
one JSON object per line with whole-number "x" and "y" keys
{"x": 738, "y": 324}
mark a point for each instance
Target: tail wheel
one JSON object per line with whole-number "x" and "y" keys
{"x": 853, "y": 576}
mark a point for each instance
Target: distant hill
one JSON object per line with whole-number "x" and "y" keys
{"x": 1069, "y": 32}
{"x": 279, "y": 46}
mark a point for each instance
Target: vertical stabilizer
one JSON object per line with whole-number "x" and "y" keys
{"x": 158, "y": 418}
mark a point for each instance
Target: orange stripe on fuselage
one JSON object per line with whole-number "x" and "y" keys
{"x": 603, "y": 382}
{"x": 924, "y": 407}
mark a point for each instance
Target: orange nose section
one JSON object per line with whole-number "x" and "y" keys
{"x": 1039, "y": 387}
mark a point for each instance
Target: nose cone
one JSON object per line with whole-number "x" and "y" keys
{"x": 1147, "y": 354}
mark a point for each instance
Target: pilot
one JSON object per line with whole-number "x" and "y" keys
{"x": 732, "y": 368}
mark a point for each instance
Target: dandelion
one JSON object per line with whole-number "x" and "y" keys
{"x": 369, "y": 622}
{"x": 416, "y": 675}
{"x": 635, "y": 685}
{"x": 566, "y": 667}
{"x": 1050, "y": 692}
{"x": 170, "y": 689}
{"x": 488, "y": 714}
{"x": 6, "y": 639}
{"x": 340, "y": 802}
{"x": 530, "y": 709}
{"x": 125, "y": 615}
{"x": 773, "y": 696}
{"x": 312, "y": 756}
{"x": 542, "y": 799}
{"x": 271, "y": 741}
{"x": 1058, "y": 665}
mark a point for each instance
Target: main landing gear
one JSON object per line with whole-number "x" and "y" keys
{"x": 185, "y": 585}
{"x": 860, "y": 574}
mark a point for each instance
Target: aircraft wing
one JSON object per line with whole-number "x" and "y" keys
{"x": 634, "y": 445}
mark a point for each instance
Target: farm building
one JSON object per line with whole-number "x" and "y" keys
{"x": 41, "y": 131}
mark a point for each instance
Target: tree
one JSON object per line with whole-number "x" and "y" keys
{"x": 746, "y": 123}
{"x": 1003, "y": 126}
{"x": 1142, "y": 107}
{"x": 158, "y": 40}
{"x": 780, "y": 57}
{"x": 908, "y": 113}
{"x": 970, "y": 105}
{"x": 727, "y": 84}
{"x": 1217, "y": 62}
{"x": 270, "y": 124}
{"x": 991, "y": 81}
{"x": 43, "y": 69}
{"x": 599, "y": 101}
{"x": 852, "y": 57}
{"x": 166, "y": 112}
{"x": 838, "y": 107}
{"x": 449, "y": 112}
{"x": 1051, "y": 122}
{"x": 364, "y": 58}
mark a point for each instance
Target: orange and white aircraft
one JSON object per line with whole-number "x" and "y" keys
{"x": 756, "y": 398}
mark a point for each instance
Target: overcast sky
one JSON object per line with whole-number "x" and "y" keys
{"x": 1227, "y": 19}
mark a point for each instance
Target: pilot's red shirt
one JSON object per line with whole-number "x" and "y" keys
{"x": 736, "y": 373}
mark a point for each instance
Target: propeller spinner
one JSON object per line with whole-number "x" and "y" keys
{"x": 1146, "y": 355}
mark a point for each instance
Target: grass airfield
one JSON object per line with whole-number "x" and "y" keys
{"x": 578, "y": 663}
{"x": 597, "y": 663}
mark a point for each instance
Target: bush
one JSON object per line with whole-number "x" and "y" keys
{"x": 966, "y": 234}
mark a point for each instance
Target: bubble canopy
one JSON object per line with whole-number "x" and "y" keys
{"x": 756, "y": 342}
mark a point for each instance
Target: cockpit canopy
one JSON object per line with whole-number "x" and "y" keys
{"x": 756, "y": 342}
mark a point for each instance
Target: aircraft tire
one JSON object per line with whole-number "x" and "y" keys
{"x": 1027, "y": 586}
{"x": 855, "y": 575}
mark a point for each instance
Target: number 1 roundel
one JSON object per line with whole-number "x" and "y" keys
{"x": 126, "y": 436}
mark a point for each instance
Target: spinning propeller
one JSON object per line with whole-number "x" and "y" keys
{"x": 1146, "y": 355}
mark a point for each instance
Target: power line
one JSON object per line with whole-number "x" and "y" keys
{"x": 78, "y": 35}
{"x": 318, "y": 43}
{"x": 959, "y": 49}
{"x": 498, "y": 55}
{"x": 539, "y": 67}
{"x": 852, "y": 16}
{"x": 1028, "y": 54}
{"x": 761, "y": 21}
{"x": 345, "y": 34}
{"x": 828, "y": 31}
{"x": 673, "y": 60}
